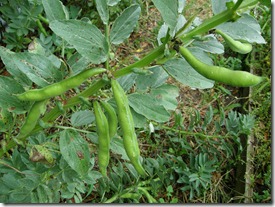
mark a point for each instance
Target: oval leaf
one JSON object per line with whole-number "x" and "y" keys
{"x": 245, "y": 28}
{"x": 103, "y": 11}
{"x": 55, "y": 10}
{"x": 169, "y": 12}
{"x": 86, "y": 38}
{"x": 81, "y": 118}
{"x": 124, "y": 24}
{"x": 166, "y": 95}
{"x": 149, "y": 107}
{"x": 8, "y": 87}
{"x": 75, "y": 151}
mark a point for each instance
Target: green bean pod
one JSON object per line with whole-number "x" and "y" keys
{"x": 220, "y": 74}
{"x": 32, "y": 118}
{"x": 103, "y": 138}
{"x": 60, "y": 87}
{"x": 112, "y": 118}
{"x": 235, "y": 45}
{"x": 126, "y": 122}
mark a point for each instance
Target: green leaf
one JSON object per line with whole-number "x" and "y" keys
{"x": 78, "y": 63}
{"x": 179, "y": 69}
{"x": 127, "y": 81}
{"x": 124, "y": 24}
{"x": 85, "y": 37}
{"x": 8, "y": 87}
{"x": 103, "y": 11}
{"x": 219, "y": 5}
{"x": 157, "y": 78}
{"x": 149, "y": 107}
{"x": 208, "y": 117}
{"x": 55, "y": 10}
{"x": 113, "y": 2}
{"x": 39, "y": 69}
{"x": 245, "y": 28}
{"x": 169, "y": 12}
{"x": 209, "y": 44}
{"x": 7, "y": 57}
{"x": 82, "y": 118}
{"x": 35, "y": 67}
{"x": 117, "y": 147}
{"x": 166, "y": 95}
{"x": 75, "y": 151}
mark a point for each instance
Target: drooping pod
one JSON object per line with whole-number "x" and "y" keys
{"x": 235, "y": 45}
{"x": 60, "y": 87}
{"x": 102, "y": 129}
{"x": 126, "y": 122}
{"x": 111, "y": 117}
{"x": 220, "y": 74}
{"x": 32, "y": 118}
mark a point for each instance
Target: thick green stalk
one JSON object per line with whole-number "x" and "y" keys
{"x": 145, "y": 61}
{"x": 211, "y": 23}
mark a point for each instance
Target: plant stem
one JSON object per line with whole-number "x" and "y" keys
{"x": 211, "y": 23}
{"x": 145, "y": 61}
{"x": 191, "y": 133}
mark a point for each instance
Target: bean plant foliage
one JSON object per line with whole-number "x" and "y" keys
{"x": 57, "y": 160}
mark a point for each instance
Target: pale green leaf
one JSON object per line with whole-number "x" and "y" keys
{"x": 75, "y": 151}
{"x": 166, "y": 95}
{"x": 117, "y": 147}
{"x": 246, "y": 28}
{"x": 113, "y": 2}
{"x": 103, "y": 11}
{"x": 7, "y": 57}
{"x": 157, "y": 78}
{"x": 8, "y": 87}
{"x": 78, "y": 63}
{"x": 55, "y": 10}
{"x": 209, "y": 44}
{"x": 149, "y": 107}
{"x": 125, "y": 24}
{"x": 169, "y": 12}
{"x": 86, "y": 38}
{"x": 82, "y": 118}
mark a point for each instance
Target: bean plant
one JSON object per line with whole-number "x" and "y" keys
{"x": 82, "y": 109}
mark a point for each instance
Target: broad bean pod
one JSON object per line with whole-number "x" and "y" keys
{"x": 103, "y": 138}
{"x": 32, "y": 118}
{"x": 126, "y": 122}
{"x": 220, "y": 74}
{"x": 112, "y": 118}
{"x": 60, "y": 87}
{"x": 235, "y": 45}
